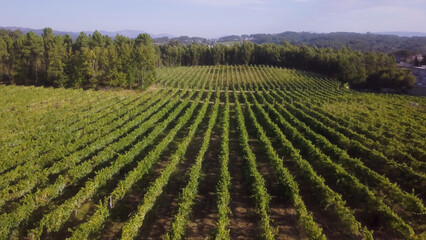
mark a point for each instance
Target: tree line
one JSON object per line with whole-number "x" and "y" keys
{"x": 91, "y": 61}
{"x": 359, "y": 69}
{"x": 357, "y": 41}
{"x": 96, "y": 61}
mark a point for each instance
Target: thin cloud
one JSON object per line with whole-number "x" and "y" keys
{"x": 302, "y": 1}
{"x": 368, "y": 3}
{"x": 266, "y": 9}
{"x": 224, "y": 2}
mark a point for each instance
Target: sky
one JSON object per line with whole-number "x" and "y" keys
{"x": 216, "y": 18}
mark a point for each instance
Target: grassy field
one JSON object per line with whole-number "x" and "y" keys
{"x": 225, "y": 152}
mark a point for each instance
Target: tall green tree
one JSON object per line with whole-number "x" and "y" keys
{"x": 247, "y": 49}
{"x": 4, "y": 55}
{"x": 81, "y": 42}
{"x": 8, "y": 59}
{"x": 28, "y": 59}
{"x": 54, "y": 55}
{"x": 124, "y": 63}
{"x": 144, "y": 60}
{"x": 113, "y": 75}
{"x": 57, "y": 58}
{"x": 97, "y": 40}
{"x": 218, "y": 54}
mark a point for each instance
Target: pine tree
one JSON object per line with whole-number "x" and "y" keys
{"x": 3, "y": 59}
{"x": 144, "y": 60}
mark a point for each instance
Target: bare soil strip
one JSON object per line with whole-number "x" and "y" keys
{"x": 204, "y": 214}
{"x": 243, "y": 219}
{"x": 282, "y": 212}
{"x": 158, "y": 221}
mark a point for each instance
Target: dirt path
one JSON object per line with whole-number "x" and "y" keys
{"x": 331, "y": 228}
{"x": 87, "y": 209}
{"x": 128, "y": 205}
{"x": 282, "y": 212}
{"x": 121, "y": 212}
{"x": 243, "y": 219}
{"x": 205, "y": 215}
{"x": 159, "y": 220}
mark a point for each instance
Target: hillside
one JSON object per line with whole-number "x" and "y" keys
{"x": 386, "y": 42}
{"x": 365, "y": 42}
{"x": 212, "y": 151}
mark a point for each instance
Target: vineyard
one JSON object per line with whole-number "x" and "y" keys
{"x": 222, "y": 152}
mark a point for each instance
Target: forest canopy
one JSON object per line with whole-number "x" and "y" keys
{"x": 91, "y": 61}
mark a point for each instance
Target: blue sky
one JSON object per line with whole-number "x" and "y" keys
{"x": 217, "y": 18}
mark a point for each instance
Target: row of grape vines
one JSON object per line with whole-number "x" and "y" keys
{"x": 319, "y": 161}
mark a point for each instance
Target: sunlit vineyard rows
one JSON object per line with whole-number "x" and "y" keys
{"x": 221, "y": 152}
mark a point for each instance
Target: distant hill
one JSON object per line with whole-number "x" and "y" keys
{"x": 355, "y": 41}
{"x": 404, "y": 34}
{"x": 387, "y": 42}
